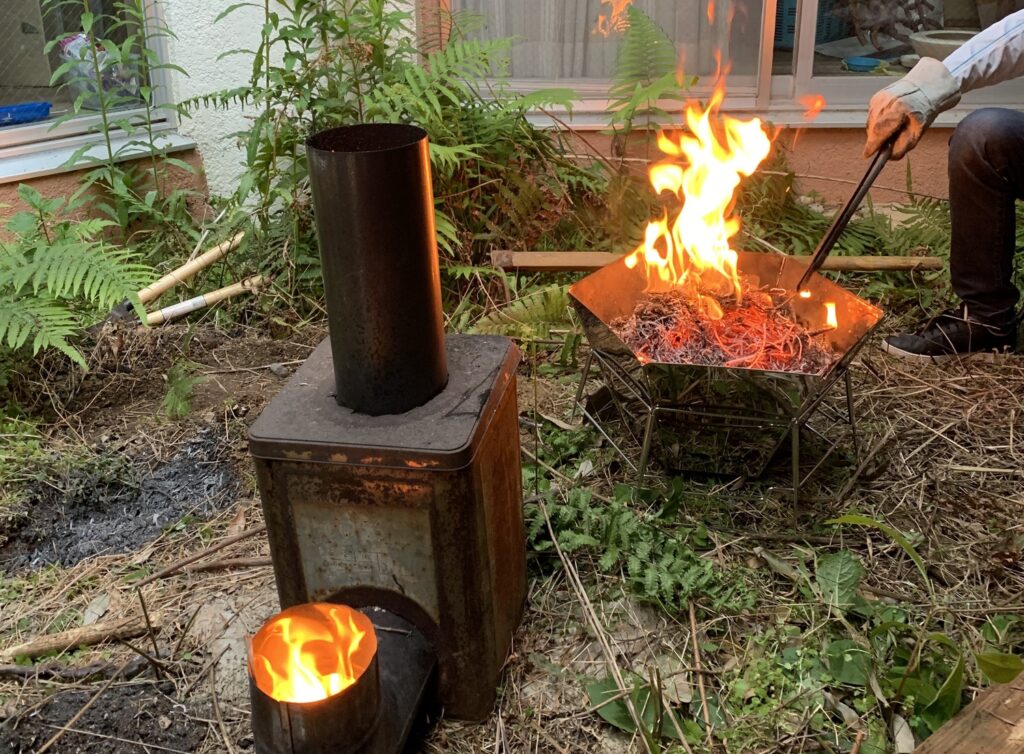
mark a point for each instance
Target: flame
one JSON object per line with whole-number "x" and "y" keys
{"x": 616, "y": 20}
{"x": 311, "y": 652}
{"x": 830, "y": 315}
{"x": 703, "y": 170}
{"x": 711, "y": 11}
{"x": 813, "y": 105}
{"x": 805, "y": 294}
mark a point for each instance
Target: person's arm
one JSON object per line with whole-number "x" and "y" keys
{"x": 993, "y": 56}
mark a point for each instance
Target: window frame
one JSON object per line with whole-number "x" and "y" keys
{"x": 32, "y": 149}
{"x": 775, "y": 97}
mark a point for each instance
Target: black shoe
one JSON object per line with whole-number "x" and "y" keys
{"x": 951, "y": 334}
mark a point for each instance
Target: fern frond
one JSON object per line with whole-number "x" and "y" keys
{"x": 39, "y": 324}
{"x": 531, "y": 316}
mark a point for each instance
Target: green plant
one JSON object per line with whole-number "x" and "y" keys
{"x": 324, "y": 63}
{"x": 646, "y": 74}
{"x": 180, "y": 384}
{"x": 58, "y": 276}
{"x": 112, "y": 75}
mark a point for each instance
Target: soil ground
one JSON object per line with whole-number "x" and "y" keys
{"x": 946, "y": 459}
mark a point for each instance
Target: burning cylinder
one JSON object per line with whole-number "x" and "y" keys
{"x": 374, "y": 209}
{"x": 313, "y": 681}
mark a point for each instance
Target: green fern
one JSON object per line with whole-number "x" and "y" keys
{"x": 58, "y": 276}
{"x": 531, "y": 316}
{"x": 645, "y": 74}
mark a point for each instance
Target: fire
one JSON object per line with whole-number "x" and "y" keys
{"x": 830, "y": 315}
{"x": 616, "y": 20}
{"x": 311, "y": 652}
{"x": 813, "y": 105}
{"x": 703, "y": 170}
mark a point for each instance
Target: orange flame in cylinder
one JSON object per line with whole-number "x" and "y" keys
{"x": 308, "y": 653}
{"x": 692, "y": 249}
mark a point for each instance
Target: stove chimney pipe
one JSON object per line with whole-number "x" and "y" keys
{"x": 374, "y": 207}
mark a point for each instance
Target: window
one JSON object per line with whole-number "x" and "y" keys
{"x": 36, "y": 136}
{"x": 780, "y": 50}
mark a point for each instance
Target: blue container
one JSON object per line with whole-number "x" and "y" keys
{"x": 861, "y": 65}
{"x": 830, "y": 26}
{"x": 25, "y": 112}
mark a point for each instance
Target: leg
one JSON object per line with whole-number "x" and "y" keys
{"x": 986, "y": 176}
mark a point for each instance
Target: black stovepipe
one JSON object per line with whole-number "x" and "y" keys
{"x": 374, "y": 207}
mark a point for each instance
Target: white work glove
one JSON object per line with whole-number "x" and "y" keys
{"x": 909, "y": 106}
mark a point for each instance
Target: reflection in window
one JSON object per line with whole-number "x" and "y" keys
{"x": 579, "y": 39}
{"x": 872, "y": 37}
{"x": 26, "y": 67}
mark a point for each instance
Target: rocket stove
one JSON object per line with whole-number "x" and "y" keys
{"x": 389, "y": 471}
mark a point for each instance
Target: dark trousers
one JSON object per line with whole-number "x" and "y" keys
{"x": 986, "y": 177}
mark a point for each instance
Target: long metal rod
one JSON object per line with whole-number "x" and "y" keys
{"x": 846, "y": 214}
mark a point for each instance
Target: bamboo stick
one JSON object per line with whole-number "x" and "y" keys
{"x": 186, "y": 271}
{"x": 179, "y": 310}
{"x": 87, "y": 636}
{"x": 584, "y": 261}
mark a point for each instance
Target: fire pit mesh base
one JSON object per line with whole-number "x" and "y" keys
{"x": 715, "y": 422}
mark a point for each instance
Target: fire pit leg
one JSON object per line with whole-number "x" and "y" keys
{"x": 794, "y": 433}
{"x": 645, "y": 452}
{"x": 853, "y": 420}
{"x": 583, "y": 383}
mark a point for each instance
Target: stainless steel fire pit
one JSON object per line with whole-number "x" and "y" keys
{"x": 714, "y": 419}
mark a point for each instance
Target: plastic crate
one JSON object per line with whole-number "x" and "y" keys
{"x": 26, "y": 112}
{"x": 830, "y": 26}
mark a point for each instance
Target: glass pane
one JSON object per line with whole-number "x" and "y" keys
{"x": 26, "y": 68}
{"x": 858, "y": 38}
{"x": 579, "y": 39}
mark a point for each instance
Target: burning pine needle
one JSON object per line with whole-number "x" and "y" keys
{"x": 673, "y": 327}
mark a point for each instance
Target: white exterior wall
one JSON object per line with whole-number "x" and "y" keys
{"x": 199, "y": 43}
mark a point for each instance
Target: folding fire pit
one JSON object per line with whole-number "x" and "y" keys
{"x": 389, "y": 471}
{"x": 716, "y": 419}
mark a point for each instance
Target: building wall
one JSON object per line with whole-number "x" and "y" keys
{"x": 199, "y": 43}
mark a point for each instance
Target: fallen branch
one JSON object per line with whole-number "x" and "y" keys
{"x": 57, "y": 672}
{"x": 83, "y": 636}
{"x": 585, "y": 261}
{"x": 222, "y": 565}
{"x": 180, "y": 564}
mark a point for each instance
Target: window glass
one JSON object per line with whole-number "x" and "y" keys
{"x": 26, "y": 26}
{"x": 579, "y": 39}
{"x": 863, "y": 38}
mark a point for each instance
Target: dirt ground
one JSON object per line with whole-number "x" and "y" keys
{"x": 89, "y": 550}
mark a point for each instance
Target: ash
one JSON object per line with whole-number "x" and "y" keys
{"x": 674, "y": 328}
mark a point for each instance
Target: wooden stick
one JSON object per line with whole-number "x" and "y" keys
{"x": 186, "y": 271}
{"x": 221, "y": 565}
{"x": 700, "y": 677}
{"x": 179, "y": 564}
{"x": 179, "y": 310}
{"x": 97, "y": 633}
{"x": 584, "y": 261}
{"x": 57, "y": 672}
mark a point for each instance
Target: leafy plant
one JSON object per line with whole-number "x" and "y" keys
{"x": 324, "y": 63}
{"x": 59, "y": 276}
{"x": 645, "y": 75}
{"x": 111, "y": 74}
{"x": 180, "y": 384}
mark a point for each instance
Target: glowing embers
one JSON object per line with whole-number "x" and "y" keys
{"x": 756, "y": 331}
{"x": 311, "y": 652}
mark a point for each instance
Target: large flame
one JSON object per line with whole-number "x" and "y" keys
{"x": 311, "y": 652}
{"x": 704, "y": 167}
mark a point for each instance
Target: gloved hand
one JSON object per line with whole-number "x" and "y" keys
{"x": 909, "y": 106}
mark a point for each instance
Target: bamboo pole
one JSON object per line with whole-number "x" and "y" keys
{"x": 186, "y": 271}
{"x": 585, "y": 261}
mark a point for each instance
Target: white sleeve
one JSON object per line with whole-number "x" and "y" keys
{"x": 993, "y": 56}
